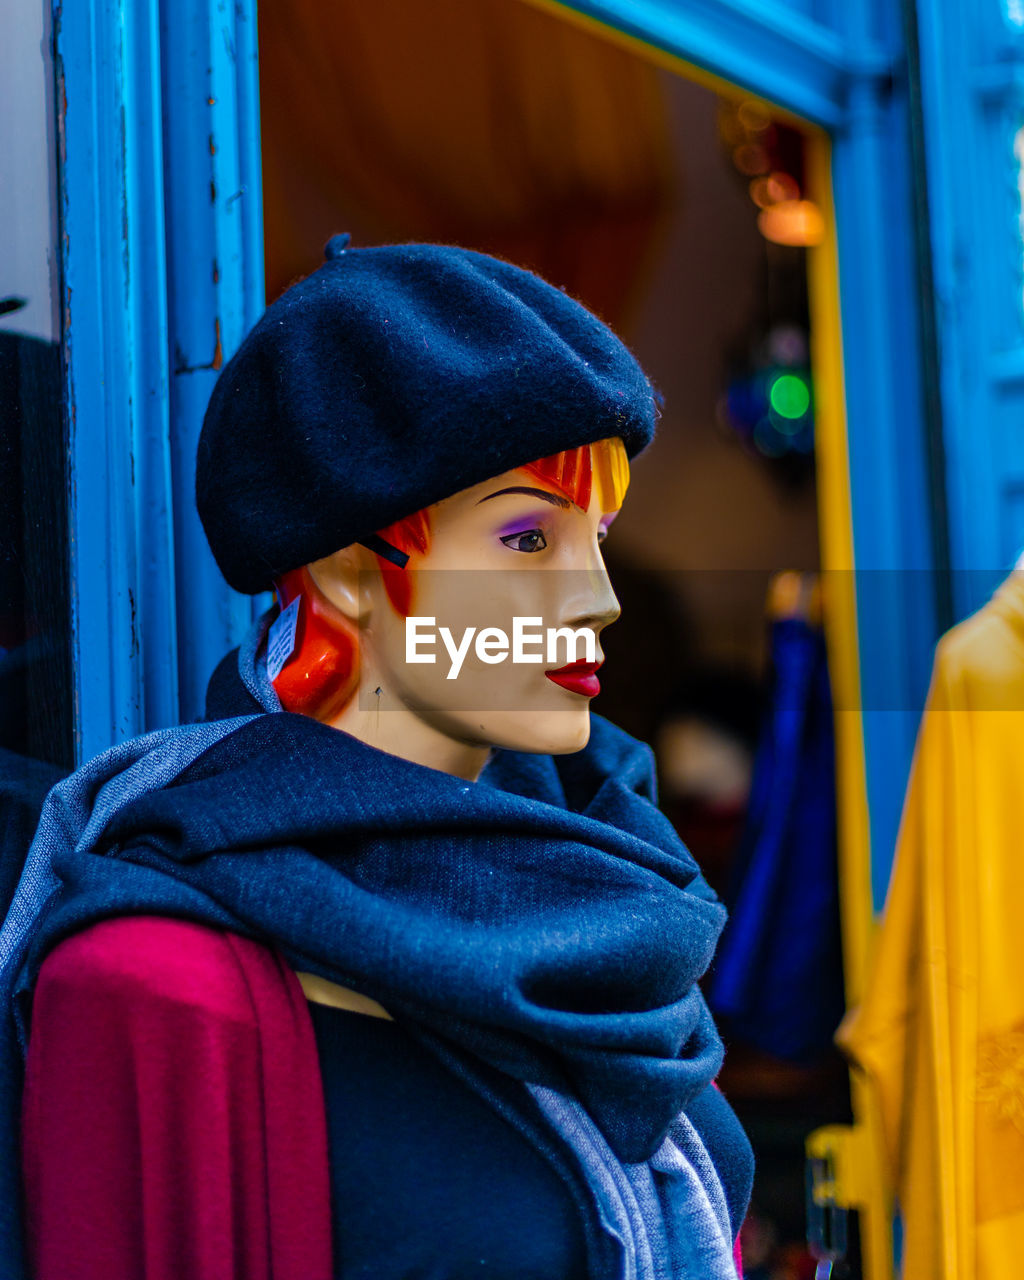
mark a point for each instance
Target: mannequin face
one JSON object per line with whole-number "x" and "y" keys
{"x": 510, "y": 547}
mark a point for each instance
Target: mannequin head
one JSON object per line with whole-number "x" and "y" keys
{"x": 356, "y": 454}
{"x": 524, "y": 543}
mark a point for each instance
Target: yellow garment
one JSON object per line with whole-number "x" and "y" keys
{"x": 940, "y": 1031}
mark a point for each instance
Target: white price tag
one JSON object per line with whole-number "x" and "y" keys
{"x": 281, "y": 638}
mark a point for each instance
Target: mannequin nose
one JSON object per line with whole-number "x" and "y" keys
{"x": 598, "y": 605}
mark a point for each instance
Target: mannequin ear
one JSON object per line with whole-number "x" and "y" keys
{"x": 341, "y": 577}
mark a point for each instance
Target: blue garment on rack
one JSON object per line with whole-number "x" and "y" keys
{"x": 777, "y": 977}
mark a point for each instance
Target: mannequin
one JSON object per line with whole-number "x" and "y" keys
{"x": 420, "y": 716}
{"x": 472, "y": 860}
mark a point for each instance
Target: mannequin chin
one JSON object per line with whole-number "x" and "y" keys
{"x": 494, "y": 556}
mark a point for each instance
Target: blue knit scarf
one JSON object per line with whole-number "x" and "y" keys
{"x": 545, "y": 920}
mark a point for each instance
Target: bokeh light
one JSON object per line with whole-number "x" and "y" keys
{"x": 789, "y": 395}
{"x": 792, "y": 222}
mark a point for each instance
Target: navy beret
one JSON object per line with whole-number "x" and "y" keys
{"x": 388, "y": 379}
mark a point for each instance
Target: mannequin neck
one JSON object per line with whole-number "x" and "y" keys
{"x": 382, "y": 722}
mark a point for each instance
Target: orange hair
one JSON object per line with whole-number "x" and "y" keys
{"x": 322, "y": 673}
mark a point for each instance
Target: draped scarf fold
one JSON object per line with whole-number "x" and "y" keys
{"x": 545, "y": 919}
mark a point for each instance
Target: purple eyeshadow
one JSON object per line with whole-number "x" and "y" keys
{"x": 522, "y": 524}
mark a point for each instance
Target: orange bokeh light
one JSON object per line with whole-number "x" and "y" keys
{"x": 792, "y": 222}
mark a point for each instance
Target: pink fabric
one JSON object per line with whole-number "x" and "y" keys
{"x": 173, "y": 1119}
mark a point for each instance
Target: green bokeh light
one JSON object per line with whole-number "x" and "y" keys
{"x": 790, "y": 396}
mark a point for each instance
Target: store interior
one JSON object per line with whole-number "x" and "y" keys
{"x": 679, "y": 213}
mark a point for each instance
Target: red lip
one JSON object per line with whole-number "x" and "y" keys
{"x": 578, "y": 677}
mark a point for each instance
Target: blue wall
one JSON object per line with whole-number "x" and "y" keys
{"x": 972, "y": 62}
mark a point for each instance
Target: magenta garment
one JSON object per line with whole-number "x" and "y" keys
{"x": 173, "y": 1119}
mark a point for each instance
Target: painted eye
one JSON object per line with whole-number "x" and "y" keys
{"x": 528, "y": 540}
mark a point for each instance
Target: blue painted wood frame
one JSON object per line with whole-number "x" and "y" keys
{"x": 215, "y": 274}
{"x": 973, "y": 89}
{"x": 114, "y": 338}
{"x": 771, "y": 49}
{"x": 162, "y": 273}
{"x": 849, "y": 77}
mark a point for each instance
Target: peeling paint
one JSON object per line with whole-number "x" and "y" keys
{"x": 213, "y": 192}
{"x": 181, "y": 364}
{"x": 133, "y": 624}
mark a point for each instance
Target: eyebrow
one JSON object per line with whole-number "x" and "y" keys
{"x": 554, "y": 498}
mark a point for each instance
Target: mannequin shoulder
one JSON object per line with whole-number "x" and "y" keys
{"x": 131, "y": 963}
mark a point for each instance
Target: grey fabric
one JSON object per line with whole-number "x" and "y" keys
{"x": 695, "y": 1205}
{"x": 671, "y": 1227}
{"x": 621, "y": 1214}
{"x": 78, "y": 808}
{"x": 252, "y": 662}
